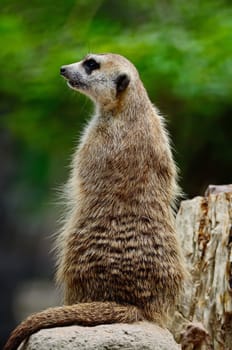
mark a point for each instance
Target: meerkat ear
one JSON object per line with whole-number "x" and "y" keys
{"x": 122, "y": 81}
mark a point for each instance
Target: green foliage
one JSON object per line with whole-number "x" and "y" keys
{"x": 182, "y": 50}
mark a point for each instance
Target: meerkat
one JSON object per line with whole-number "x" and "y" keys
{"x": 118, "y": 255}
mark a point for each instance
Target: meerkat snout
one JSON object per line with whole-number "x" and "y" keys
{"x": 65, "y": 72}
{"x": 69, "y": 71}
{"x": 74, "y": 77}
{"x": 62, "y": 70}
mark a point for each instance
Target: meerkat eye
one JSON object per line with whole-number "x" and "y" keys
{"x": 90, "y": 65}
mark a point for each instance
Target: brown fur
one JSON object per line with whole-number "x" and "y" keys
{"x": 117, "y": 253}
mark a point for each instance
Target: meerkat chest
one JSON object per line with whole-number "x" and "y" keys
{"x": 109, "y": 151}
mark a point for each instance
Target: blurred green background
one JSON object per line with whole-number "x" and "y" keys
{"x": 183, "y": 51}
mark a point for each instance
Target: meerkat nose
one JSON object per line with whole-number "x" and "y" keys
{"x": 63, "y": 70}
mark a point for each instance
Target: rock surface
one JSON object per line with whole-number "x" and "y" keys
{"x": 143, "y": 335}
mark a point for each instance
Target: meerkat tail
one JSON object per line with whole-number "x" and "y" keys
{"x": 86, "y": 314}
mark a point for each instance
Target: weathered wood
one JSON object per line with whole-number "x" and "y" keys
{"x": 215, "y": 189}
{"x": 204, "y": 226}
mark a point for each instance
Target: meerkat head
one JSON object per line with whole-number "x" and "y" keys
{"x": 102, "y": 77}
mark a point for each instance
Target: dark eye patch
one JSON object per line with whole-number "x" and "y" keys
{"x": 90, "y": 65}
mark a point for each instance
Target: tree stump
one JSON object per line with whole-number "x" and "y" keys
{"x": 204, "y": 226}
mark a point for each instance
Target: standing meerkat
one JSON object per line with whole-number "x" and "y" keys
{"x": 118, "y": 256}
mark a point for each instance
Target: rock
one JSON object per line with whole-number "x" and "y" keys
{"x": 142, "y": 335}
